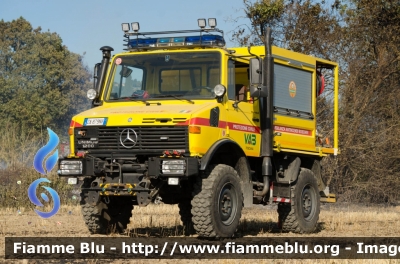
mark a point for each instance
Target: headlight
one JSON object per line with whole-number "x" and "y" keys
{"x": 219, "y": 90}
{"x": 173, "y": 167}
{"x": 70, "y": 167}
{"x": 91, "y": 94}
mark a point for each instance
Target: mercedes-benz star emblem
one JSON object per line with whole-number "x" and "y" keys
{"x": 128, "y": 138}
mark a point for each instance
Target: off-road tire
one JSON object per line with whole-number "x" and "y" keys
{"x": 217, "y": 202}
{"x": 105, "y": 218}
{"x": 301, "y": 215}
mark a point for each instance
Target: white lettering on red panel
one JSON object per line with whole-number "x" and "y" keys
{"x": 292, "y": 130}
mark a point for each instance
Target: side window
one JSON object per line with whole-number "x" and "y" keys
{"x": 231, "y": 80}
{"x": 241, "y": 82}
{"x": 127, "y": 80}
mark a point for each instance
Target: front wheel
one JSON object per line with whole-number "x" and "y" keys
{"x": 301, "y": 215}
{"x": 217, "y": 202}
{"x": 110, "y": 214}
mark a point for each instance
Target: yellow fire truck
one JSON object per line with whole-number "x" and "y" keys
{"x": 180, "y": 119}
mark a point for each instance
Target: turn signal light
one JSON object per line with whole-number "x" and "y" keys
{"x": 195, "y": 129}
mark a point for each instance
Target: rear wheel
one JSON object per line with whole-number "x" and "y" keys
{"x": 217, "y": 202}
{"x": 301, "y": 215}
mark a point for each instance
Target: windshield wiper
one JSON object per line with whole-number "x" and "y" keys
{"x": 176, "y": 96}
{"x": 132, "y": 98}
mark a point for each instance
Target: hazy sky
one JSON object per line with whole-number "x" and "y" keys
{"x": 87, "y": 25}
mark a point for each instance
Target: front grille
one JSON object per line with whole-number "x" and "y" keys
{"x": 148, "y": 138}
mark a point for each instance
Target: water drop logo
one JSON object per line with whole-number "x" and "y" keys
{"x": 54, "y": 195}
{"x": 46, "y": 150}
{"x": 50, "y": 162}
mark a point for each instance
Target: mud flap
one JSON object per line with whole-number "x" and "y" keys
{"x": 291, "y": 170}
{"x": 316, "y": 169}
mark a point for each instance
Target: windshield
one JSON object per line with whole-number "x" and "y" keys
{"x": 168, "y": 75}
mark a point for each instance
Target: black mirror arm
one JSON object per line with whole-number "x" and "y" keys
{"x": 252, "y": 54}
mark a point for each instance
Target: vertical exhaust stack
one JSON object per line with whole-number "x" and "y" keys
{"x": 269, "y": 82}
{"x": 268, "y": 107}
{"x": 103, "y": 70}
{"x": 267, "y": 115}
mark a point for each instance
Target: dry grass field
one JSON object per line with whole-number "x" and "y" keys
{"x": 338, "y": 220}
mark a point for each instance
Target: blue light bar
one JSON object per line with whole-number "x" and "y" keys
{"x": 194, "y": 40}
{"x": 150, "y": 42}
{"x": 138, "y": 43}
{"x": 204, "y": 40}
{"x": 212, "y": 40}
{"x": 179, "y": 41}
{"x": 163, "y": 42}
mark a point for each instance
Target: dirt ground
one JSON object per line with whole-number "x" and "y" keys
{"x": 339, "y": 220}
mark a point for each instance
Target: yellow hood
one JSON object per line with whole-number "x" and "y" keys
{"x": 142, "y": 114}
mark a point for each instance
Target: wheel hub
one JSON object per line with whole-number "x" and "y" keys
{"x": 307, "y": 203}
{"x": 227, "y": 201}
{"x": 226, "y": 204}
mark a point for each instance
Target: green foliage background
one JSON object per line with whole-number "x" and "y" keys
{"x": 42, "y": 83}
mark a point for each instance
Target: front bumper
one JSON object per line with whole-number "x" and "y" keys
{"x": 143, "y": 182}
{"x": 154, "y": 167}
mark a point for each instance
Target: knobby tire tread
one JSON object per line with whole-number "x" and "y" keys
{"x": 288, "y": 219}
{"x": 202, "y": 200}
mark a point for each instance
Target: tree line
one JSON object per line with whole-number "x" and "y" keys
{"x": 42, "y": 83}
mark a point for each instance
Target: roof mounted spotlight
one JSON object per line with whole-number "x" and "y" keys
{"x": 135, "y": 27}
{"x": 125, "y": 27}
{"x": 201, "y": 22}
{"x": 212, "y": 22}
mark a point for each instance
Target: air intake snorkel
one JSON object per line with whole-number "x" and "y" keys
{"x": 102, "y": 72}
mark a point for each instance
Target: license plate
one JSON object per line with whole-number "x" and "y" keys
{"x": 95, "y": 121}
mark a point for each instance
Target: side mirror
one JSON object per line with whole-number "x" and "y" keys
{"x": 255, "y": 72}
{"x": 256, "y": 78}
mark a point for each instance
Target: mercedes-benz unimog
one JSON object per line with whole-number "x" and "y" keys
{"x": 181, "y": 119}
